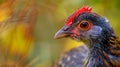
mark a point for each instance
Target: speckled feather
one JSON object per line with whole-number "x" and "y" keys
{"x": 74, "y": 58}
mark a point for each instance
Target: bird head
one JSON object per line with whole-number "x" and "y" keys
{"x": 85, "y": 25}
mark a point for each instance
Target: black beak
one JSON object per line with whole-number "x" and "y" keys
{"x": 62, "y": 33}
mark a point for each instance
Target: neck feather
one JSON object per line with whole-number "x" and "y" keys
{"x": 104, "y": 52}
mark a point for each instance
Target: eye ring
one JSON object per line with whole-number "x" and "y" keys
{"x": 84, "y": 25}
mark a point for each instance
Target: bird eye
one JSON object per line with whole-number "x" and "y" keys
{"x": 84, "y": 25}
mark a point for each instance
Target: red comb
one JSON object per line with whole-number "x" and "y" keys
{"x": 77, "y": 12}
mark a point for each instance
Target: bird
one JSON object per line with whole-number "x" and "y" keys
{"x": 101, "y": 44}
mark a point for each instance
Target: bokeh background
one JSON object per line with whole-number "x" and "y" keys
{"x": 27, "y": 29}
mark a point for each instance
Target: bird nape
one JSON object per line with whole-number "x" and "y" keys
{"x": 102, "y": 45}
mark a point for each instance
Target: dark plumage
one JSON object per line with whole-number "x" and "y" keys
{"x": 96, "y": 32}
{"x": 74, "y": 58}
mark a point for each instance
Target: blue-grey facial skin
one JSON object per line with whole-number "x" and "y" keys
{"x": 92, "y": 33}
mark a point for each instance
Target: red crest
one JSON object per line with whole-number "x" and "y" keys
{"x": 76, "y": 13}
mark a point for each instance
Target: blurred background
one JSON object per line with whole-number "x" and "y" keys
{"x": 27, "y": 29}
